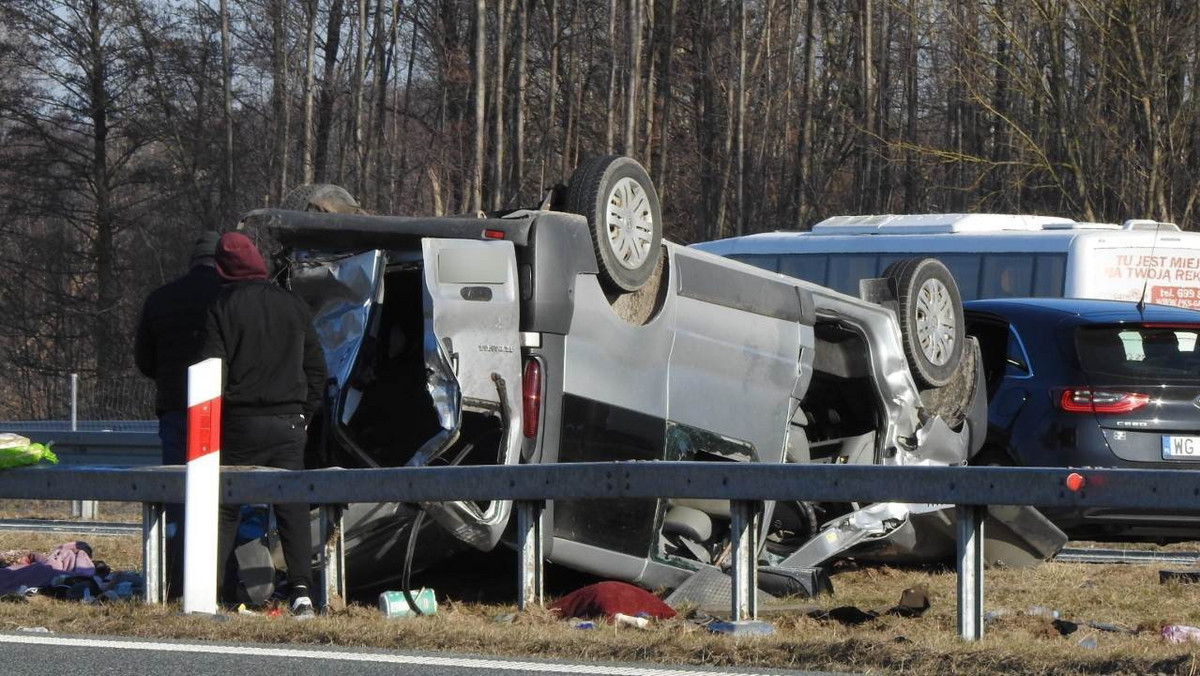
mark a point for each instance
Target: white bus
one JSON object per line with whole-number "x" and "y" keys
{"x": 990, "y": 255}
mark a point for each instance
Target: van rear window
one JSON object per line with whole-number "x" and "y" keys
{"x": 1157, "y": 353}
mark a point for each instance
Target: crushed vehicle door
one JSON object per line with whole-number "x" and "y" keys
{"x": 473, "y": 361}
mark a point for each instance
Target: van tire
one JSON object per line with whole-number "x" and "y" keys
{"x": 322, "y": 197}
{"x": 627, "y": 241}
{"x": 929, "y": 308}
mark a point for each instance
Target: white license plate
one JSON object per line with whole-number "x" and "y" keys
{"x": 1176, "y": 447}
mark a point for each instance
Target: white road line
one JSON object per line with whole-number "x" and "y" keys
{"x": 424, "y": 660}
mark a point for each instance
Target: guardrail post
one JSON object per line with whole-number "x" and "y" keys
{"x": 203, "y": 487}
{"x": 529, "y": 544}
{"x": 970, "y": 570}
{"x": 154, "y": 553}
{"x": 332, "y": 575}
{"x": 745, "y": 517}
{"x": 85, "y": 509}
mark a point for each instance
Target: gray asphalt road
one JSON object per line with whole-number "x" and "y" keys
{"x": 40, "y": 653}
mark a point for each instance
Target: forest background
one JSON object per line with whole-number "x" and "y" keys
{"x": 128, "y": 126}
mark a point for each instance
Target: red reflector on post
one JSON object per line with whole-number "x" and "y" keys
{"x": 531, "y": 388}
{"x": 1085, "y": 400}
{"x": 493, "y": 234}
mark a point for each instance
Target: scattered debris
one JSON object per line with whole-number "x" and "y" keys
{"x": 993, "y": 615}
{"x": 741, "y": 628}
{"x": 708, "y": 588}
{"x": 582, "y": 624}
{"x": 504, "y": 618}
{"x": 1180, "y": 575}
{"x": 804, "y": 582}
{"x": 913, "y": 603}
{"x": 1065, "y": 627}
{"x": 1111, "y": 627}
{"x": 395, "y": 604}
{"x": 1089, "y": 642}
{"x": 1042, "y": 611}
{"x": 1180, "y": 633}
{"x": 17, "y": 451}
{"x": 639, "y": 622}
{"x": 606, "y": 599}
{"x": 35, "y": 630}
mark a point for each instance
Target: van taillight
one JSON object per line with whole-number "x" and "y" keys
{"x": 1086, "y": 400}
{"x": 531, "y": 387}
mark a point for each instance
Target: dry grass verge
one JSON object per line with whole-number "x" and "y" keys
{"x": 1015, "y": 643}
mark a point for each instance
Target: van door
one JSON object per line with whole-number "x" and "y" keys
{"x": 473, "y": 357}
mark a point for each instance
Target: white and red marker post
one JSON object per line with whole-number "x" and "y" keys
{"x": 203, "y": 487}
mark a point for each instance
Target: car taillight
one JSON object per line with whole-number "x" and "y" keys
{"x": 531, "y": 387}
{"x": 1086, "y": 400}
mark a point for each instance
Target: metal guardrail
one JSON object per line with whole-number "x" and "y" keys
{"x": 117, "y": 443}
{"x": 72, "y": 527}
{"x": 1138, "y": 556}
{"x": 970, "y": 489}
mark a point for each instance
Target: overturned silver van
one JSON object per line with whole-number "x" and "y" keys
{"x": 574, "y": 333}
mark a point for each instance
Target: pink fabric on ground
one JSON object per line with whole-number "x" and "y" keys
{"x": 71, "y": 557}
{"x": 605, "y": 599}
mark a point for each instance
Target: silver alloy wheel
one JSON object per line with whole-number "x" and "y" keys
{"x": 630, "y": 223}
{"x": 935, "y": 321}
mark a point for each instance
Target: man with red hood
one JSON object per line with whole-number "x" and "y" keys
{"x": 274, "y": 375}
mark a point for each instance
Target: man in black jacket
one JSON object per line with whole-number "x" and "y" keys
{"x": 170, "y": 335}
{"x": 274, "y": 374}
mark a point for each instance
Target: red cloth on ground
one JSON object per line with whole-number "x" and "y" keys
{"x": 604, "y": 599}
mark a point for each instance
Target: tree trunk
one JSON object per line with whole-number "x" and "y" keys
{"x": 279, "y": 106}
{"x": 358, "y": 112}
{"x": 497, "y": 187}
{"x": 517, "y": 181}
{"x": 805, "y": 183}
{"x": 310, "y": 40}
{"x": 549, "y": 137}
{"x": 634, "y": 7}
{"x": 333, "y": 38}
{"x": 227, "y": 198}
{"x": 105, "y": 329}
{"x": 480, "y": 95}
{"x": 741, "y": 122}
{"x": 648, "y": 99}
{"x": 910, "y": 107}
{"x": 666, "y": 94}
{"x": 610, "y": 107}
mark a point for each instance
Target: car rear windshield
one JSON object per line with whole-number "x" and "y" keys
{"x": 1160, "y": 352}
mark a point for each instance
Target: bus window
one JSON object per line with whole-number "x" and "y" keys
{"x": 845, "y": 271}
{"x": 759, "y": 261}
{"x": 965, "y": 268}
{"x": 1006, "y": 276}
{"x": 809, "y": 267}
{"x": 1049, "y": 274}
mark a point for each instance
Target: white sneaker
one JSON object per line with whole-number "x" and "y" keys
{"x": 301, "y": 608}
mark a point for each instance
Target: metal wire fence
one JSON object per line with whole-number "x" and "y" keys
{"x": 66, "y": 397}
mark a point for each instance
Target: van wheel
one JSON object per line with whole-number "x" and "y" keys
{"x": 617, "y": 198}
{"x": 931, "y": 318}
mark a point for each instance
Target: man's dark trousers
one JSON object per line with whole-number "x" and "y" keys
{"x": 267, "y": 441}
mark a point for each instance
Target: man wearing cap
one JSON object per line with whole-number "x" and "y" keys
{"x": 274, "y": 375}
{"x": 169, "y": 337}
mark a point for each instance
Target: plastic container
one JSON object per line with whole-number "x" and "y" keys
{"x": 1181, "y": 633}
{"x": 393, "y": 603}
